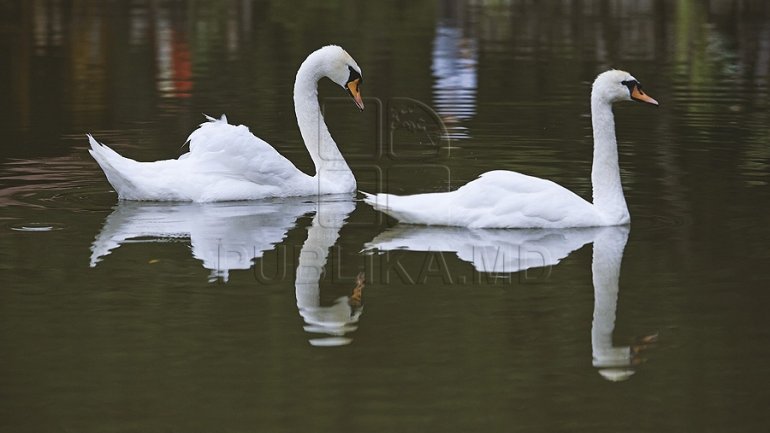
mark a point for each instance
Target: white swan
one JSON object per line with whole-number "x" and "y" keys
{"x": 506, "y": 199}
{"x": 227, "y": 162}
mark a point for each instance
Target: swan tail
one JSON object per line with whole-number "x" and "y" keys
{"x": 111, "y": 163}
{"x": 395, "y": 206}
{"x": 369, "y": 199}
{"x": 378, "y": 202}
{"x": 374, "y": 201}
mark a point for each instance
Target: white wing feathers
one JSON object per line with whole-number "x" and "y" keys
{"x": 500, "y": 199}
{"x": 225, "y": 162}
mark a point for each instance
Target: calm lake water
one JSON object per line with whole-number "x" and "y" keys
{"x": 140, "y": 317}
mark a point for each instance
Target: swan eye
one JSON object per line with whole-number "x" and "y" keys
{"x": 354, "y": 75}
{"x": 631, "y": 84}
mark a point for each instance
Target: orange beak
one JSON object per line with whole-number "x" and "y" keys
{"x": 355, "y": 93}
{"x": 638, "y": 95}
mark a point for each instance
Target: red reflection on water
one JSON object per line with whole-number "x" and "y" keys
{"x": 174, "y": 61}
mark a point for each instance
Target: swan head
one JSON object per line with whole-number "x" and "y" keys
{"x": 341, "y": 68}
{"x": 615, "y": 85}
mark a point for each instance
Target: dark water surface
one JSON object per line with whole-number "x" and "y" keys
{"x": 140, "y": 317}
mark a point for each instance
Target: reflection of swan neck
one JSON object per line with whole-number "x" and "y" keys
{"x": 322, "y": 148}
{"x": 340, "y": 317}
{"x": 321, "y": 236}
{"x": 606, "y": 274}
{"x": 605, "y": 172}
{"x": 608, "y": 254}
{"x": 312, "y": 258}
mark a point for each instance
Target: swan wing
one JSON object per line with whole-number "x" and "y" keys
{"x": 497, "y": 199}
{"x": 225, "y": 162}
{"x": 218, "y": 146}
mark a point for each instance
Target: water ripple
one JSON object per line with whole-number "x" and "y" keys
{"x": 68, "y": 182}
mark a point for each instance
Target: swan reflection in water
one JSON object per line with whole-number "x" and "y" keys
{"x": 226, "y": 236}
{"x": 508, "y": 251}
{"x": 496, "y": 251}
{"x": 340, "y": 318}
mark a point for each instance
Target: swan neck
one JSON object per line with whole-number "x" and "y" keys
{"x": 319, "y": 142}
{"x": 605, "y": 172}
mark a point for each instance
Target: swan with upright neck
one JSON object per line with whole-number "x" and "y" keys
{"x": 227, "y": 162}
{"x": 506, "y": 199}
